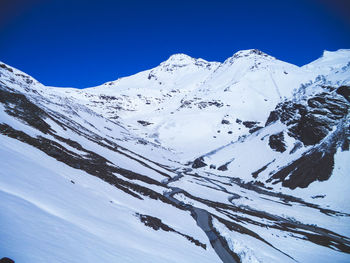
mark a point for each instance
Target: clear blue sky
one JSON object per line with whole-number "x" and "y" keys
{"x": 81, "y": 43}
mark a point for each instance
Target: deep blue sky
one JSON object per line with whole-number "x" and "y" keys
{"x": 81, "y": 43}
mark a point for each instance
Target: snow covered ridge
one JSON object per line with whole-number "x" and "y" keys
{"x": 192, "y": 161}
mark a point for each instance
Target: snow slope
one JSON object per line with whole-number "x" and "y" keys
{"x": 191, "y": 161}
{"x": 190, "y": 97}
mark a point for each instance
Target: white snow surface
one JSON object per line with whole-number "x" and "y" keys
{"x": 188, "y": 98}
{"x": 154, "y": 123}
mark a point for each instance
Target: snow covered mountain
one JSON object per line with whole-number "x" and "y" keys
{"x": 191, "y": 161}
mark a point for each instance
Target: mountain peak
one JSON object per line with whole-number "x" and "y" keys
{"x": 331, "y": 59}
{"x": 335, "y": 55}
{"x": 179, "y": 58}
{"x": 336, "y": 52}
{"x": 250, "y": 53}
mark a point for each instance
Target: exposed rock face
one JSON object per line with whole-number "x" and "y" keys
{"x": 344, "y": 91}
{"x": 223, "y": 168}
{"x": 249, "y": 124}
{"x": 19, "y": 106}
{"x": 315, "y": 165}
{"x": 144, "y": 123}
{"x": 198, "y": 163}
{"x": 157, "y": 224}
{"x": 5, "y": 67}
{"x": 276, "y": 142}
{"x": 311, "y": 121}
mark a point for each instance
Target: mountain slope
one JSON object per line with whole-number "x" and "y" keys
{"x": 240, "y": 161}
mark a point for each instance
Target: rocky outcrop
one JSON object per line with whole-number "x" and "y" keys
{"x": 199, "y": 163}
{"x": 157, "y": 224}
{"x": 312, "y": 119}
{"x": 320, "y": 121}
{"x": 276, "y": 142}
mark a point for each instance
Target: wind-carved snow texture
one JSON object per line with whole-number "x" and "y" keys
{"x": 191, "y": 161}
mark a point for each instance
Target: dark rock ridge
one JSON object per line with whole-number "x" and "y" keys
{"x": 256, "y": 173}
{"x": 319, "y": 121}
{"x": 223, "y": 167}
{"x": 157, "y": 224}
{"x": 251, "y": 125}
{"x": 6, "y": 67}
{"x": 344, "y": 91}
{"x": 276, "y": 142}
{"x": 144, "y": 123}
{"x": 199, "y": 163}
{"x": 311, "y": 120}
{"x": 17, "y": 105}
